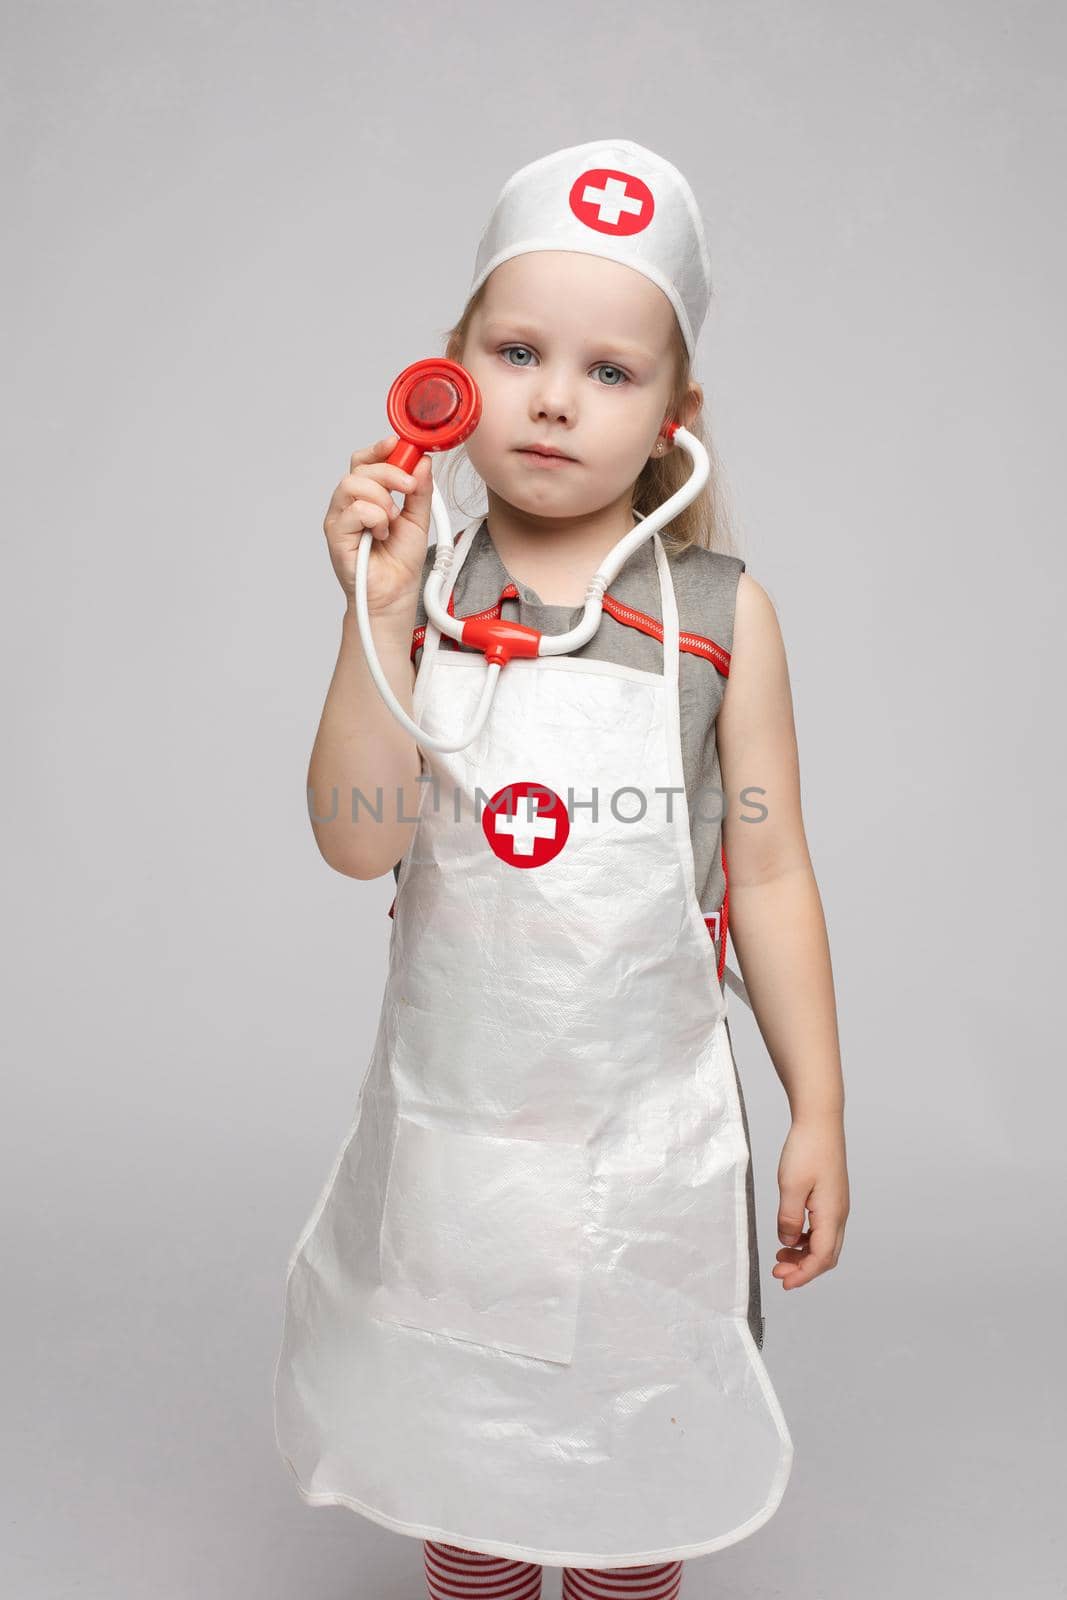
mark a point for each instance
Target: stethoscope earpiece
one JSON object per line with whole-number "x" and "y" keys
{"x": 666, "y": 434}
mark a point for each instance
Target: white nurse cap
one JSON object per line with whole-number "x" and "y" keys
{"x": 609, "y": 198}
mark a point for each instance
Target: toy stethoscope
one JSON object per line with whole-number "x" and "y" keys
{"x": 434, "y": 405}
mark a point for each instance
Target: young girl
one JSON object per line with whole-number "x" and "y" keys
{"x": 523, "y": 1323}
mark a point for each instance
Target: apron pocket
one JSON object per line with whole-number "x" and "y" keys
{"x": 481, "y": 1238}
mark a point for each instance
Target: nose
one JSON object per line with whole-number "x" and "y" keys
{"x": 553, "y": 398}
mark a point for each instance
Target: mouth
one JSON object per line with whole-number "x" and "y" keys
{"x": 547, "y": 458}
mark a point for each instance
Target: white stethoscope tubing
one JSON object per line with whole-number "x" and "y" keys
{"x": 435, "y": 597}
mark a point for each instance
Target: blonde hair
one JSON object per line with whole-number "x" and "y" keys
{"x": 705, "y": 521}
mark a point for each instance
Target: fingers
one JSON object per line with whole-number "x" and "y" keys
{"x": 815, "y": 1252}
{"x": 375, "y": 481}
{"x": 369, "y": 515}
{"x": 366, "y": 491}
{"x": 373, "y": 452}
{"x": 373, "y": 462}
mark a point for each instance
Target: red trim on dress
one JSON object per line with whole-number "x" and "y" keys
{"x": 693, "y": 643}
{"x": 716, "y": 921}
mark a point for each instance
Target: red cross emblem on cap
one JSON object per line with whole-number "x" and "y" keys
{"x": 612, "y": 202}
{"x": 526, "y": 824}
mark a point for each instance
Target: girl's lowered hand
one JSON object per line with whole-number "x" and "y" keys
{"x": 812, "y": 1174}
{"x": 362, "y": 501}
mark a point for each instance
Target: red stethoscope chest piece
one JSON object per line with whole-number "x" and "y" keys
{"x": 432, "y": 406}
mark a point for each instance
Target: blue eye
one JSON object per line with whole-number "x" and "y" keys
{"x": 600, "y": 366}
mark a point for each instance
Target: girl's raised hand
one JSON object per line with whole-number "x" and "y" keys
{"x": 361, "y": 501}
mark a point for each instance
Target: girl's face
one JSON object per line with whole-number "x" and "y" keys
{"x": 575, "y": 352}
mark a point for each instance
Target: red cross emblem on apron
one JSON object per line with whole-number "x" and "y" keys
{"x": 526, "y": 824}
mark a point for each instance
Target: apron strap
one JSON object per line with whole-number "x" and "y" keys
{"x": 671, "y": 651}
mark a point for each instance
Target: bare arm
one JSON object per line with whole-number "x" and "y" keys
{"x": 779, "y": 931}
{"x": 364, "y": 765}
{"x": 361, "y": 749}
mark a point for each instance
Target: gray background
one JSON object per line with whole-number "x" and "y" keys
{"x": 228, "y": 229}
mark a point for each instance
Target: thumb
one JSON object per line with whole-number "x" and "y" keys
{"x": 790, "y": 1214}
{"x": 417, "y": 501}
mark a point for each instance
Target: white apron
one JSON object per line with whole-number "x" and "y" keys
{"x": 516, "y": 1319}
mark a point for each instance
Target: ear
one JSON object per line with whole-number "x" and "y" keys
{"x": 694, "y": 400}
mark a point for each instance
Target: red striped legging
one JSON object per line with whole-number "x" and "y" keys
{"x": 455, "y": 1574}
